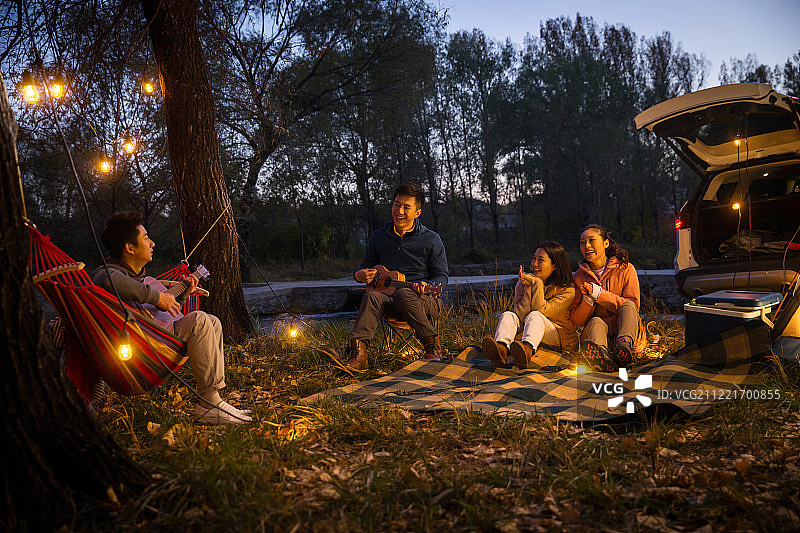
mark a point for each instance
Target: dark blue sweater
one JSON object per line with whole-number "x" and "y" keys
{"x": 419, "y": 254}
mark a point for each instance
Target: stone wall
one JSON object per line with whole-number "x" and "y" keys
{"x": 333, "y": 296}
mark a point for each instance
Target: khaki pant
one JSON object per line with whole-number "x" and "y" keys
{"x": 409, "y": 306}
{"x": 203, "y": 335}
{"x": 597, "y": 331}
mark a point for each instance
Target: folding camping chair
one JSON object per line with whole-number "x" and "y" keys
{"x": 396, "y": 330}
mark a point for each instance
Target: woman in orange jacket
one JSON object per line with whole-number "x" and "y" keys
{"x": 607, "y": 302}
{"x": 541, "y": 311}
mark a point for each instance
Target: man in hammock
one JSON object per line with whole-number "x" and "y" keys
{"x": 406, "y": 246}
{"x": 130, "y": 249}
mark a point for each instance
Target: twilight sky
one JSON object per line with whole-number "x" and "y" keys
{"x": 719, "y": 29}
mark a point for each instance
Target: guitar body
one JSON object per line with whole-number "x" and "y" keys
{"x": 383, "y": 280}
{"x": 160, "y": 317}
{"x": 387, "y": 281}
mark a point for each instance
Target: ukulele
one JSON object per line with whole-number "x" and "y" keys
{"x": 164, "y": 318}
{"x": 387, "y": 281}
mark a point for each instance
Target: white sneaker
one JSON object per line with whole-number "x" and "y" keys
{"x": 223, "y": 413}
{"x": 241, "y": 413}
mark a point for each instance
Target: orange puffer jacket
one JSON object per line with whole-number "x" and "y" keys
{"x": 619, "y": 283}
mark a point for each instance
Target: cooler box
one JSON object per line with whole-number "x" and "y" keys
{"x": 720, "y": 311}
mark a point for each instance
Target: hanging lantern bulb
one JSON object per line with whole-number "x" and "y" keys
{"x": 129, "y": 145}
{"x": 736, "y": 206}
{"x": 104, "y": 165}
{"x": 125, "y": 352}
{"x": 57, "y": 87}
{"x": 29, "y": 91}
{"x": 148, "y": 87}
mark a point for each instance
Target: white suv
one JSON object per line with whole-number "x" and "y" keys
{"x": 739, "y": 228}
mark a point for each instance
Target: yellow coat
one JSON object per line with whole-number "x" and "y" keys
{"x": 552, "y": 301}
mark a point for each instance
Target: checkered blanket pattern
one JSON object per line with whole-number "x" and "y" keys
{"x": 694, "y": 377}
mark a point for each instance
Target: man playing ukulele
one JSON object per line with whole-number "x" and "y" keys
{"x": 406, "y": 246}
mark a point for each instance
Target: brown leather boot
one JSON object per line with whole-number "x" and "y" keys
{"x": 357, "y": 352}
{"x": 497, "y": 352}
{"x": 522, "y": 352}
{"x": 433, "y": 348}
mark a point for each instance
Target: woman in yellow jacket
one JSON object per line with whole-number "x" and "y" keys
{"x": 541, "y": 311}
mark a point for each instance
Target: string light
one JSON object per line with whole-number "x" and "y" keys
{"x": 104, "y": 166}
{"x": 293, "y": 332}
{"x": 29, "y": 91}
{"x": 129, "y": 145}
{"x": 737, "y": 142}
{"x": 736, "y": 206}
{"x": 148, "y": 87}
{"x": 125, "y": 352}
{"x": 57, "y": 87}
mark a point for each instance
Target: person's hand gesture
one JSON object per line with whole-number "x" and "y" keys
{"x": 419, "y": 287}
{"x": 365, "y": 275}
{"x": 587, "y": 288}
{"x": 168, "y": 303}
{"x": 524, "y": 277}
{"x": 193, "y": 282}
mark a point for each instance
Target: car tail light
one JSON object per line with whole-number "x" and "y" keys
{"x": 684, "y": 218}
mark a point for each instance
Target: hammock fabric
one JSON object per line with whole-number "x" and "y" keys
{"x": 92, "y": 321}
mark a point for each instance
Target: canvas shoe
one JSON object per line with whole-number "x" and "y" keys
{"x": 623, "y": 352}
{"x": 223, "y": 413}
{"x": 597, "y": 357}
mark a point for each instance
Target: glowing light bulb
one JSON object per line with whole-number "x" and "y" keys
{"x": 148, "y": 87}
{"x": 293, "y": 332}
{"x": 736, "y": 206}
{"x": 104, "y": 166}
{"x": 129, "y": 145}
{"x": 737, "y": 142}
{"x": 125, "y": 352}
{"x": 57, "y": 88}
{"x": 29, "y": 91}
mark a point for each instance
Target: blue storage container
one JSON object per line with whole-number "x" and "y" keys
{"x": 711, "y": 314}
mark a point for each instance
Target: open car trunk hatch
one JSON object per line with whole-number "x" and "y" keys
{"x": 727, "y": 127}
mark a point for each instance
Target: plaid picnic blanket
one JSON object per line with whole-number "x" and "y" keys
{"x": 693, "y": 379}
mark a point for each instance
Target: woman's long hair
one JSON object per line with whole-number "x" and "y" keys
{"x": 562, "y": 274}
{"x": 614, "y": 249}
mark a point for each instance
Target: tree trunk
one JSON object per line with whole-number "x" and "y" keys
{"x": 522, "y": 188}
{"x": 55, "y": 459}
{"x": 246, "y": 222}
{"x": 194, "y": 154}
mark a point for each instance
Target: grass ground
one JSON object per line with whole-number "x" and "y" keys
{"x": 336, "y": 467}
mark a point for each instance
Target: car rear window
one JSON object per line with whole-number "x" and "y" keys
{"x": 724, "y": 123}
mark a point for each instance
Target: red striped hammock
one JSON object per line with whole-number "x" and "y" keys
{"x": 92, "y": 321}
